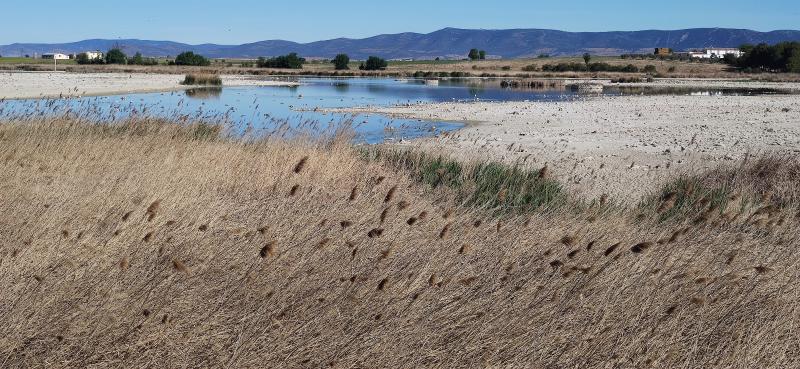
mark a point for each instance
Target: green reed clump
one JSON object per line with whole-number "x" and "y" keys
{"x": 500, "y": 187}
{"x": 202, "y": 80}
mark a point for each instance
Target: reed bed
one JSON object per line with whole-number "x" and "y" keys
{"x": 146, "y": 244}
{"x": 202, "y": 80}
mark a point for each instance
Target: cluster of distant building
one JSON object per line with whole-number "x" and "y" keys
{"x": 710, "y": 53}
{"x": 59, "y": 56}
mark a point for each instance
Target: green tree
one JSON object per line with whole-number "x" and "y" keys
{"x": 289, "y": 61}
{"x": 374, "y": 63}
{"x": 474, "y": 54}
{"x": 482, "y": 55}
{"x": 586, "y": 59}
{"x": 341, "y": 62}
{"x": 190, "y": 58}
{"x": 116, "y": 56}
{"x": 137, "y": 59}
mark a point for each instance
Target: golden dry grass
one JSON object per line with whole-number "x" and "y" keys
{"x": 147, "y": 245}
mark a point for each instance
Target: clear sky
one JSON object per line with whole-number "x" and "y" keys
{"x": 241, "y": 21}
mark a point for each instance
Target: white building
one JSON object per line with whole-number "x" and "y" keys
{"x": 56, "y": 56}
{"x": 94, "y": 54}
{"x": 715, "y": 53}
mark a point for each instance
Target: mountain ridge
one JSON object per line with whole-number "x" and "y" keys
{"x": 446, "y": 42}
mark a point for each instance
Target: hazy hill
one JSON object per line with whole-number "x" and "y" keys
{"x": 448, "y": 42}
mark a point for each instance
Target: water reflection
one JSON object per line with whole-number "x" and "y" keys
{"x": 204, "y": 93}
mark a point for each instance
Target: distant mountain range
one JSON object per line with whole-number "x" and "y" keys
{"x": 445, "y": 43}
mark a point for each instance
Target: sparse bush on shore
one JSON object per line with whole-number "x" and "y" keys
{"x": 189, "y": 58}
{"x": 592, "y": 67}
{"x": 374, "y": 63}
{"x": 202, "y": 79}
{"x": 341, "y": 62}
{"x": 116, "y": 56}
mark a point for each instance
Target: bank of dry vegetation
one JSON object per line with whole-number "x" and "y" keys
{"x": 152, "y": 244}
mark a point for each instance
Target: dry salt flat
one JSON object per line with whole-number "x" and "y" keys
{"x": 621, "y": 146}
{"x": 25, "y": 85}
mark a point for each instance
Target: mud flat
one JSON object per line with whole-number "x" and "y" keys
{"x": 621, "y": 146}
{"x": 24, "y": 85}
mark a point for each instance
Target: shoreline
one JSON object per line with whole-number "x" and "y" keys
{"x": 48, "y": 85}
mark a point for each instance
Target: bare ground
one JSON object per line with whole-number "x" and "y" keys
{"x": 623, "y": 146}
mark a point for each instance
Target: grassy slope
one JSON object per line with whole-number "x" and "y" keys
{"x": 150, "y": 247}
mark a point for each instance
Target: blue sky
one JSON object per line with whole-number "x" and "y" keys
{"x": 241, "y": 21}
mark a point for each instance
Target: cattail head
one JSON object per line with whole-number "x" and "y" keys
{"x": 268, "y": 250}
{"x": 375, "y": 233}
{"x": 641, "y": 247}
{"x": 152, "y": 210}
{"x": 445, "y": 231}
{"x": 353, "y": 193}
{"x": 124, "y": 264}
{"x": 568, "y": 240}
{"x": 611, "y": 249}
{"x": 300, "y": 165}
{"x": 390, "y": 194}
{"x": 544, "y": 173}
{"x": 293, "y": 190}
{"x": 448, "y": 214}
{"x": 383, "y": 284}
{"x": 180, "y": 266}
{"x": 668, "y": 202}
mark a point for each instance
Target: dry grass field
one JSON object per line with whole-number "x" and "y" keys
{"x": 149, "y": 244}
{"x": 495, "y": 68}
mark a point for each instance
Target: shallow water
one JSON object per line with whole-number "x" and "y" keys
{"x": 275, "y": 109}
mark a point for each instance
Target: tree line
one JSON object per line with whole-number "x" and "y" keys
{"x": 117, "y": 56}
{"x": 781, "y": 57}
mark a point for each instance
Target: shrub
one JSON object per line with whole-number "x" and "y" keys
{"x": 649, "y": 68}
{"x": 139, "y": 60}
{"x": 341, "y": 62}
{"x": 374, "y": 63}
{"x": 202, "y": 79}
{"x": 116, "y": 56}
{"x": 474, "y": 54}
{"x": 190, "y": 58}
{"x": 83, "y": 58}
{"x": 288, "y": 61}
{"x": 593, "y": 67}
{"x": 530, "y": 68}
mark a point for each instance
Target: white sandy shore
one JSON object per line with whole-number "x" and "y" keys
{"x": 623, "y": 146}
{"x": 21, "y": 85}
